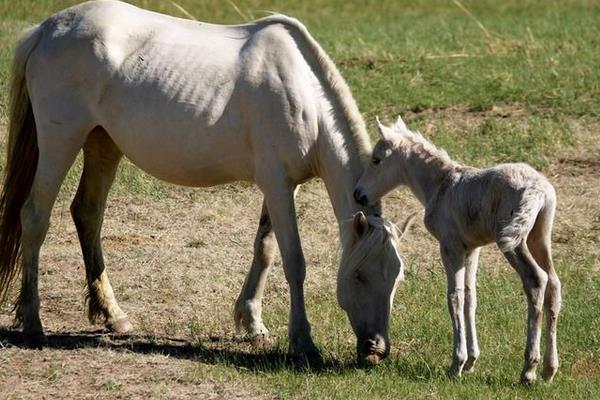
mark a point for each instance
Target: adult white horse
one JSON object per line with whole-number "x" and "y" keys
{"x": 194, "y": 104}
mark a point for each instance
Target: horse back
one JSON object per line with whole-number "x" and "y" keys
{"x": 186, "y": 90}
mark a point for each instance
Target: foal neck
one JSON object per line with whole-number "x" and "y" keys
{"x": 425, "y": 169}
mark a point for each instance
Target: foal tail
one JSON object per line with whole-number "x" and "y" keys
{"x": 21, "y": 162}
{"x": 523, "y": 219}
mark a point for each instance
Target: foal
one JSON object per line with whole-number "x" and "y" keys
{"x": 465, "y": 208}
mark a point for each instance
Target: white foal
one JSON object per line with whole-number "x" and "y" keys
{"x": 465, "y": 208}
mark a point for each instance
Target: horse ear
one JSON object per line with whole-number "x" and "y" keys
{"x": 400, "y": 124}
{"x": 406, "y": 225}
{"x": 385, "y": 132}
{"x": 360, "y": 225}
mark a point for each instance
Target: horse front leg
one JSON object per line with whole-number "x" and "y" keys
{"x": 100, "y": 161}
{"x": 471, "y": 261}
{"x": 279, "y": 196}
{"x": 248, "y": 307}
{"x": 453, "y": 257}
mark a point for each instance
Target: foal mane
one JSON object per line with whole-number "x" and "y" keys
{"x": 332, "y": 81}
{"x": 427, "y": 151}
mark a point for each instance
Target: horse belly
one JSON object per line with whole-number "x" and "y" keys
{"x": 205, "y": 161}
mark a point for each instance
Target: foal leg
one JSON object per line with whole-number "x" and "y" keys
{"x": 279, "y": 196}
{"x": 540, "y": 247}
{"x": 534, "y": 283}
{"x": 100, "y": 160}
{"x": 471, "y": 260}
{"x": 453, "y": 257}
{"x": 248, "y": 307}
{"x": 56, "y": 154}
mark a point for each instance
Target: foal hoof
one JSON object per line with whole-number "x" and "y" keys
{"x": 120, "y": 326}
{"x": 36, "y": 341}
{"x": 527, "y": 378}
{"x": 548, "y": 373}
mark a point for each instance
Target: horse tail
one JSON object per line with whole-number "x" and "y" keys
{"x": 331, "y": 79}
{"x": 21, "y": 162}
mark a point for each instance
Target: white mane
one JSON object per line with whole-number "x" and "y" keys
{"x": 425, "y": 150}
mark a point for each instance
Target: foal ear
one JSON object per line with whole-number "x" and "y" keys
{"x": 385, "y": 132}
{"x": 406, "y": 225}
{"x": 360, "y": 225}
{"x": 400, "y": 124}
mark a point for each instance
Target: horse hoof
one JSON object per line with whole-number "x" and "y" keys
{"x": 120, "y": 326}
{"x": 309, "y": 356}
{"x": 35, "y": 341}
{"x": 261, "y": 341}
{"x": 469, "y": 366}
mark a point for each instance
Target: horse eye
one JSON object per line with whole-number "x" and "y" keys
{"x": 375, "y": 161}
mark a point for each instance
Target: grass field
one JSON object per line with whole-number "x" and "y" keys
{"x": 489, "y": 81}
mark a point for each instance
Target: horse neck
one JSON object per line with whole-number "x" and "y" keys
{"x": 342, "y": 161}
{"x": 425, "y": 174}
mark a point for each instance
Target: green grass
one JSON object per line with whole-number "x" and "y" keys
{"x": 421, "y": 333}
{"x": 420, "y": 57}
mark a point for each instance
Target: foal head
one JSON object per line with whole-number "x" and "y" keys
{"x": 370, "y": 270}
{"x": 387, "y": 167}
{"x": 399, "y": 158}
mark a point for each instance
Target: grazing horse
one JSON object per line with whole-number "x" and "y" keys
{"x": 193, "y": 104}
{"x": 466, "y": 208}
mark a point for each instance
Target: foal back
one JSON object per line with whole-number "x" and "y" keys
{"x": 500, "y": 204}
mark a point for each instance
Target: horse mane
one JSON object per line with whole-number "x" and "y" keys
{"x": 427, "y": 151}
{"x": 380, "y": 230}
{"x": 333, "y": 82}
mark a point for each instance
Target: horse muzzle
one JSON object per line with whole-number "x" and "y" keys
{"x": 371, "y": 351}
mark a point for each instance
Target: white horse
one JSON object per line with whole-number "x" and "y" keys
{"x": 194, "y": 104}
{"x": 466, "y": 208}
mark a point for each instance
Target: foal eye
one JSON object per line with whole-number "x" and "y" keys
{"x": 375, "y": 161}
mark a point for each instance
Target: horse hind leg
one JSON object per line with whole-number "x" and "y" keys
{"x": 57, "y": 153}
{"x": 248, "y": 307}
{"x": 534, "y": 284}
{"x": 100, "y": 161}
{"x": 539, "y": 243}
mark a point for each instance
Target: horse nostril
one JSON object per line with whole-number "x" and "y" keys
{"x": 360, "y": 198}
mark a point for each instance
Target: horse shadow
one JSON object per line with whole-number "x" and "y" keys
{"x": 211, "y": 350}
{"x": 224, "y": 350}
